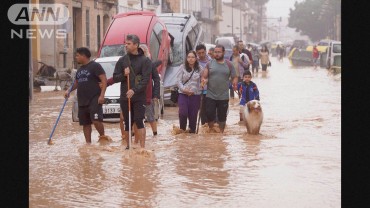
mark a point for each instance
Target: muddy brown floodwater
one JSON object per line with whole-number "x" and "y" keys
{"x": 294, "y": 162}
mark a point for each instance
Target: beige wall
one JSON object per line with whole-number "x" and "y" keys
{"x": 50, "y": 48}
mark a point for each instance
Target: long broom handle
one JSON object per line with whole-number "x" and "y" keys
{"x": 61, "y": 111}
{"x": 200, "y": 109}
{"x": 129, "y": 113}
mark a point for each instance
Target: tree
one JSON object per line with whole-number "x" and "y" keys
{"x": 313, "y": 19}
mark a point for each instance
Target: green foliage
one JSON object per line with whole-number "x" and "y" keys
{"x": 313, "y": 19}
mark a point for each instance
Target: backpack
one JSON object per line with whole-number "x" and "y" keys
{"x": 228, "y": 63}
{"x": 243, "y": 57}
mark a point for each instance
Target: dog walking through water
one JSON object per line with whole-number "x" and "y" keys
{"x": 250, "y": 107}
{"x": 253, "y": 116}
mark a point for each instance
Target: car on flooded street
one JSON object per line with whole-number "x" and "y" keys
{"x": 186, "y": 33}
{"x": 151, "y": 31}
{"x": 111, "y": 106}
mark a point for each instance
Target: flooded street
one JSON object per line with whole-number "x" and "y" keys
{"x": 294, "y": 162}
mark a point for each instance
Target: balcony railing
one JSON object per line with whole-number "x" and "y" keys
{"x": 133, "y": 2}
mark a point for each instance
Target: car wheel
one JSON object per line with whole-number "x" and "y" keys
{"x": 75, "y": 112}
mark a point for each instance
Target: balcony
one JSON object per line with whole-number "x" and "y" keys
{"x": 112, "y": 2}
{"x": 133, "y": 2}
{"x": 218, "y": 18}
{"x": 206, "y": 15}
{"x": 152, "y": 4}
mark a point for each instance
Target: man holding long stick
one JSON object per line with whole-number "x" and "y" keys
{"x": 138, "y": 67}
{"x": 89, "y": 94}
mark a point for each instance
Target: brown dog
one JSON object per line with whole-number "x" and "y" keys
{"x": 253, "y": 116}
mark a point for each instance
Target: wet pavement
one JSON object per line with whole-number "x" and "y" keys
{"x": 294, "y": 162}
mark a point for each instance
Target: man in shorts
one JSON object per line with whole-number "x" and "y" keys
{"x": 90, "y": 95}
{"x": 216, "y": 75}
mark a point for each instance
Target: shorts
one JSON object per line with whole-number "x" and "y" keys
{"x": 219, "y": 107}
{"x": 149, "y": 112}
{"x": 137, "y": 113}
{"x": 316, "y": 61}
{"x": 89, "y": 113}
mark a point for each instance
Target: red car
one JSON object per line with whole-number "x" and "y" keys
{"x": 150, "y": 29}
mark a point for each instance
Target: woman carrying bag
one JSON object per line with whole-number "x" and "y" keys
{"x": 188, "y": 83}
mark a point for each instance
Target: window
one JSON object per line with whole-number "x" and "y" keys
{"x": 192, "y": 39}
{"x": 98, "y": 31}
{"x": 158, "y": 29}
{"x": 154, "y": 46}
{"x": 337, "y": 48}
{"x": 87, "y": 28}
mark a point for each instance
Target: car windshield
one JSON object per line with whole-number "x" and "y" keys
{"x": 177, "y": 50}
{"x": 337, "y": 48}
{"x": 108, "y": 68}
{"x": 113, "y": 50}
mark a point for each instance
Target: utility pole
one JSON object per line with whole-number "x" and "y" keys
{"x": 232, "y": 17}
{"x": 241, "y": 33}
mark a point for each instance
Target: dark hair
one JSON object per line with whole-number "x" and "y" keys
{"x": 247, "y": 72}
{"x": 84, "y": 51}
{"x": 264, "y": 48}
{"x": 196, "y": 64}
{"x": 134, "y": 38}
{"x": 211, "y": 48}
{"x": 220, "y": 46}
{"x": 200, "y": 47}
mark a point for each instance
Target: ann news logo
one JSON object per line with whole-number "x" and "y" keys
{"x": 48, "y": 16}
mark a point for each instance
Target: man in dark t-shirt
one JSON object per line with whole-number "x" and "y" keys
{"x": 90, "y": 96}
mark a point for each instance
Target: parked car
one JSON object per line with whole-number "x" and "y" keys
{"x": 151, "y": 30}
{"x": 334, "y": 55}
{"x": 186, "y": 33}
{"x": 209, "y": 45}
{"x": 111, "y": 107}
{"x": 228, "y": 42}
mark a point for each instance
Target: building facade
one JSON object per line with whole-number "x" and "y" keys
{"x": 87, "y": 23}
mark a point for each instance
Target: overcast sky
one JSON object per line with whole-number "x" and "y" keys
{"x": 280, "y": 8}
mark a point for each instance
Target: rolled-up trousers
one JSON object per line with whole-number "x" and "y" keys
{"x": 188, "y": 110}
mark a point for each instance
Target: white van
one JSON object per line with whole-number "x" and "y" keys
{"x": 333, "y": 55}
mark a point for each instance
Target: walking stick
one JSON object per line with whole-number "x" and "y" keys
{"x": 200, "y": 110}
{"x": 129, "y": 113}
{"x": 61, "y": 111}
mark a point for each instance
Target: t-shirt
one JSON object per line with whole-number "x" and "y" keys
{"x": 87, "y": 77}
{"x": 315, "y": 53}
{"x": 203, "y": 64}
{"x": 218, "y": 80}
